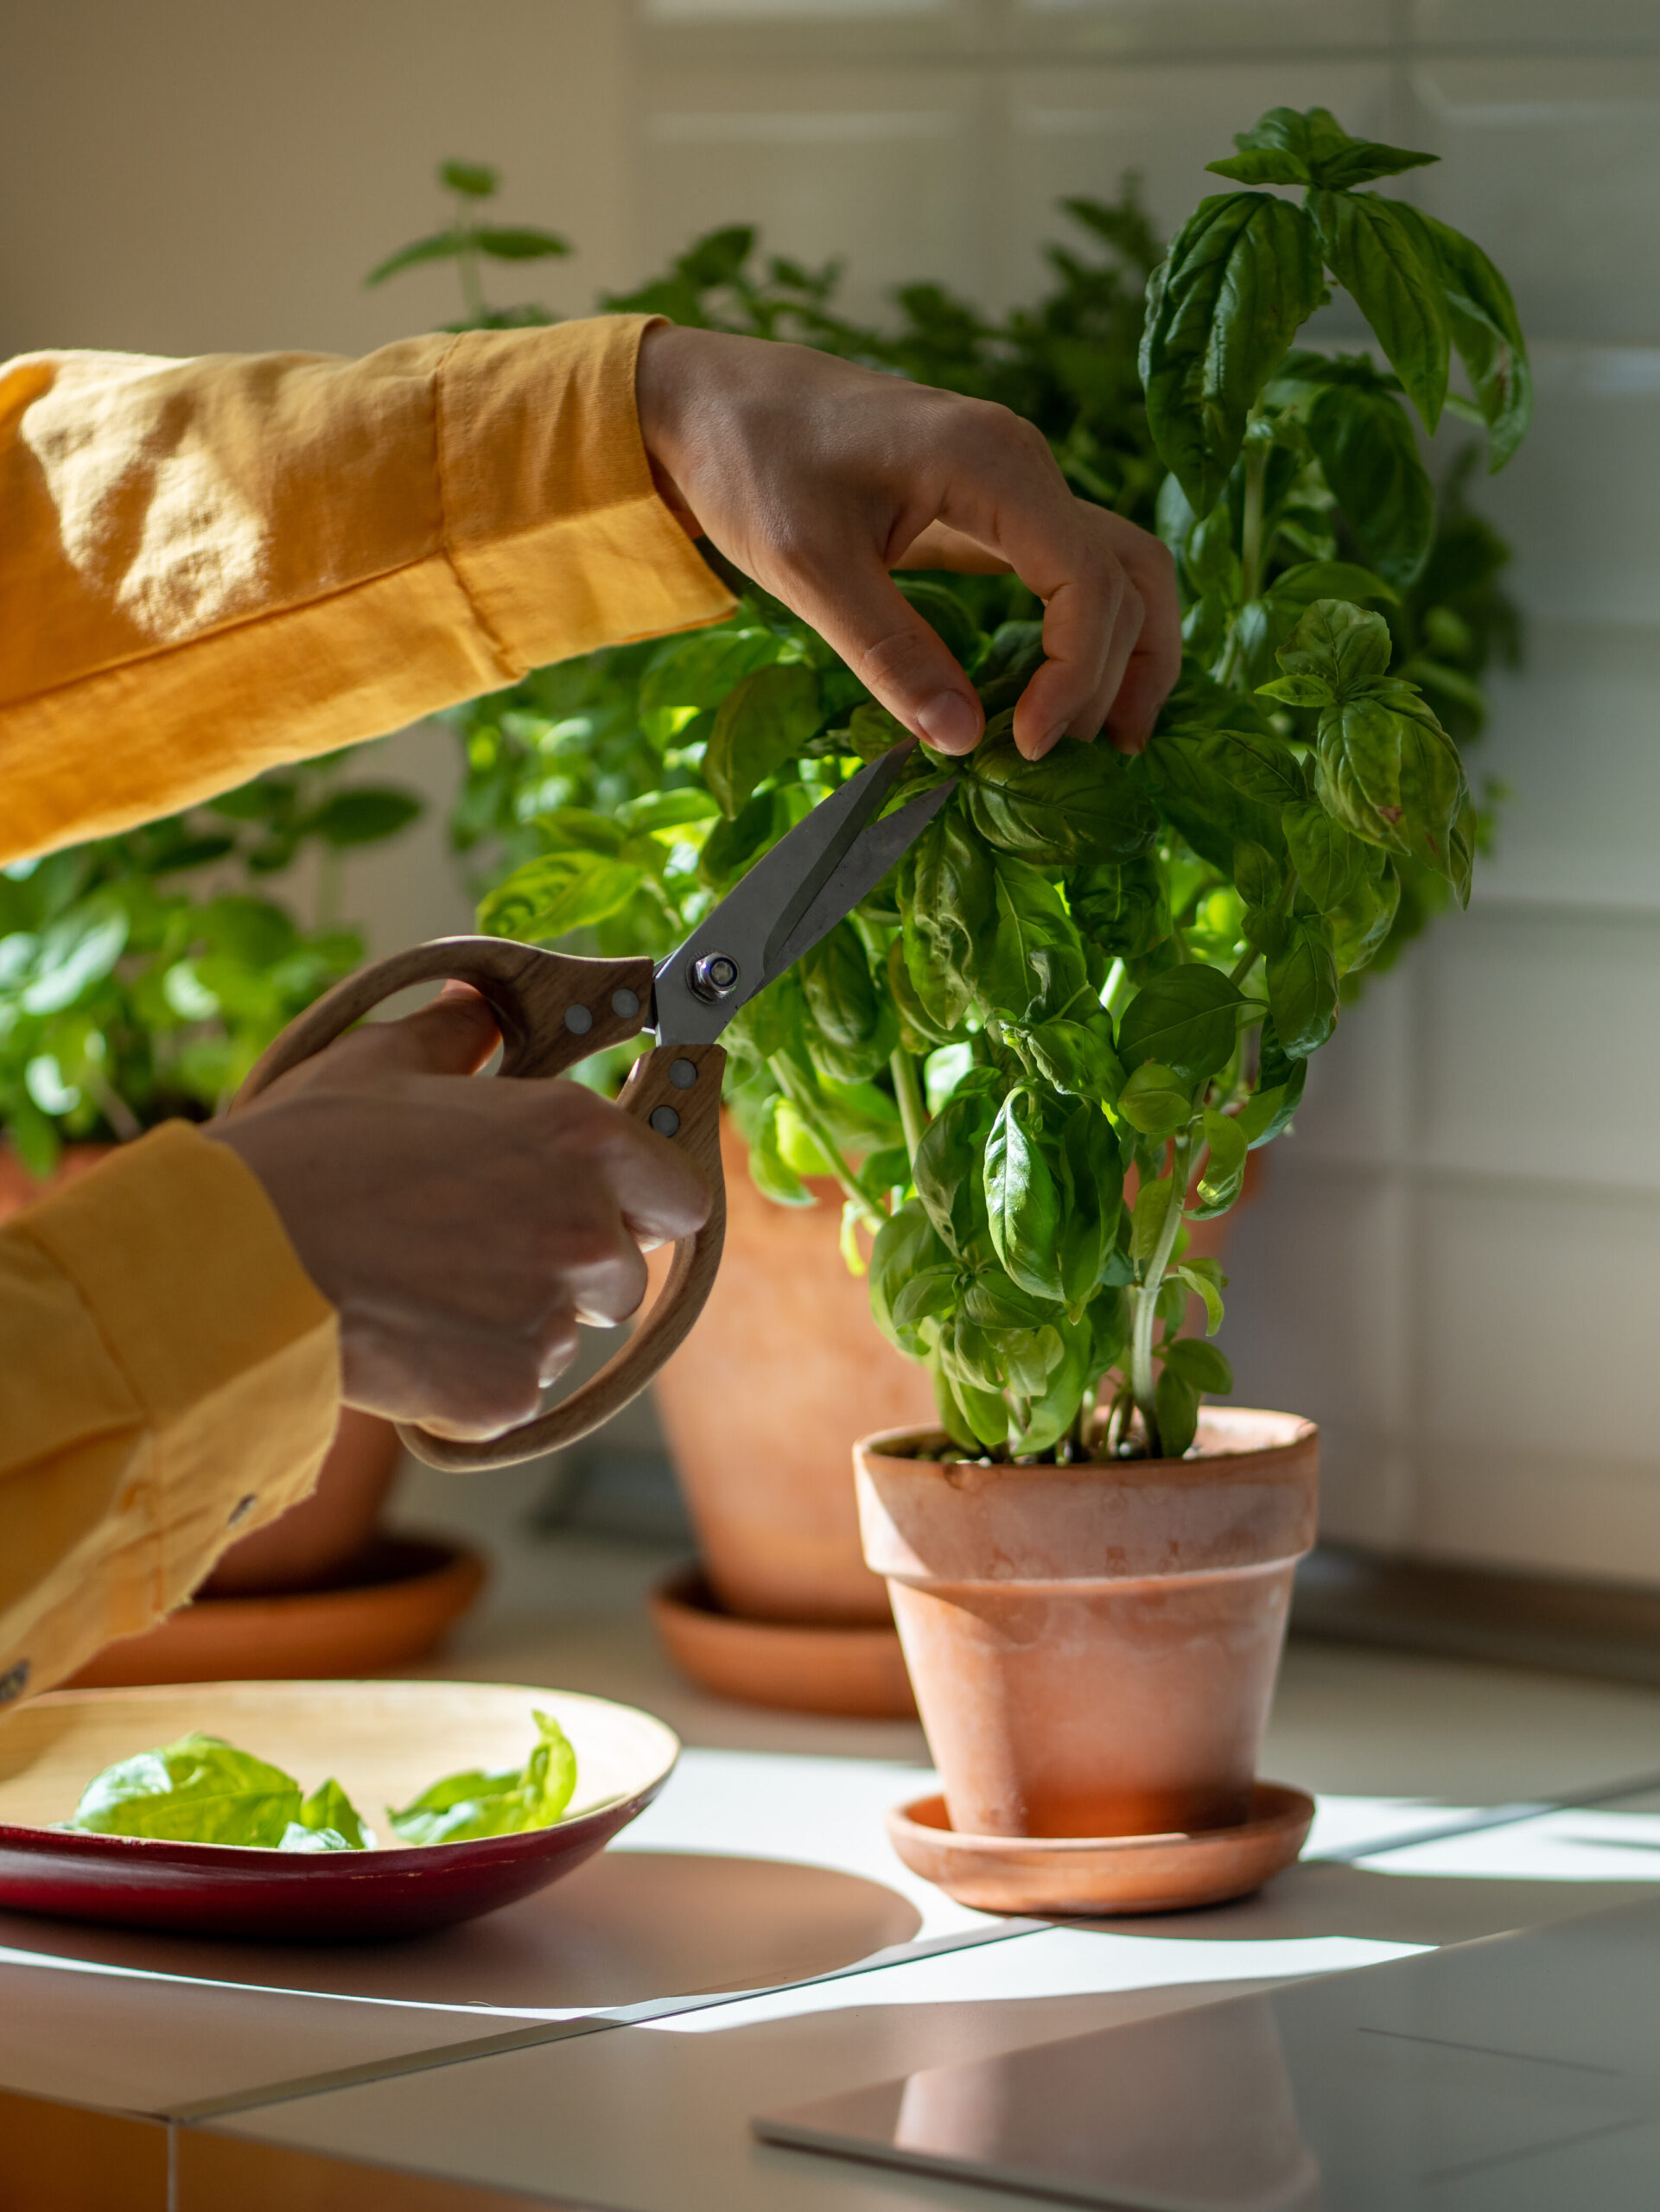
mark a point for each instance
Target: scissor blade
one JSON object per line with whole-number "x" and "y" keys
{"x": 763, "y": 911}
{"x": 872, "y": 855}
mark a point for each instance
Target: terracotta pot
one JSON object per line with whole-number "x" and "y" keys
{"x": 764, "y": 1403}
{"x": 311, "y": 1543}
{"x": 1093, "y": 1647}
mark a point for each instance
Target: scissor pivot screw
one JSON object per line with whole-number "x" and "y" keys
{"x": 624, "y": 1002}
{"x": 578, "y": 1020}
{"x": 683, "y": 1074}
{"x": 664, "y": 1121}
{"x": 714, "y": 975}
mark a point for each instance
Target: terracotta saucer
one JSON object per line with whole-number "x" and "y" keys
{"x": 858, "y": 1672}
{"x": 403, "y": 1592}
{"x": 1103, "y": 1876}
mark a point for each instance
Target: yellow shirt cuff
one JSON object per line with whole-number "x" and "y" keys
{"x": 228, "y": 1356}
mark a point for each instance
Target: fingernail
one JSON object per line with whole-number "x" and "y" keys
{"x": 1045, "y": 744}
{"x": 949, "y": 722}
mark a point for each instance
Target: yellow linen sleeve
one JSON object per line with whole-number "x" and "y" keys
{"x": 171, "y": 1380}
{"x": 208, "y": 567}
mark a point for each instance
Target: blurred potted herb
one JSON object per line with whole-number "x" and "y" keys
{"x": 141, "y": 976}
{"x": 1095, "y": 977}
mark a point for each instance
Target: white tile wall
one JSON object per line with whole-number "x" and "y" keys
{"x": 1452, "y": 1268}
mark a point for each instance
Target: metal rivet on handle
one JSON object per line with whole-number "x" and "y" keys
{"x": 624, "y": 1002}
{"x": 578, "y": 1020}
{"x": 683, "y": 1074}
{"x": 664, "y": 1121}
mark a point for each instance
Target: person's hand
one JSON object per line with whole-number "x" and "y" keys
{"x": 817, "y": 477}
{"x": 461, "y": 1228}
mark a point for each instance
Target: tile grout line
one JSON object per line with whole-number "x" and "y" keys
{"x": 1493, "y": 1817}
{"x": 585, "y": 2024}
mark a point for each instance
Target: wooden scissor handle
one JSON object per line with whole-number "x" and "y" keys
{"x": 553, "y": 1010}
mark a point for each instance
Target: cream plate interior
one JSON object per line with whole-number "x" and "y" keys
{"x": 384, "y": 1742}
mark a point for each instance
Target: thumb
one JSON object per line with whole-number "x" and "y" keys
{"x": 892, "y": 651}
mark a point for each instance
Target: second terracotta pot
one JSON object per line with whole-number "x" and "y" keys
{"x": 764, "y": 1401}
{"x": 1094, "y": 1648}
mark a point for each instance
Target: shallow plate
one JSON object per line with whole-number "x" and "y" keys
{"x": 1103, "y": 1875}
{"x": 402, "y": 1594}
{"x": 858, "y": 1672}
{"x": 383, "y": 1741}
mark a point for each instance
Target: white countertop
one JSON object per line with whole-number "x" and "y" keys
{"x": 752, "y": 1942}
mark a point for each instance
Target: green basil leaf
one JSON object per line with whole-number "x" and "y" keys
{"x": 1156, "y": 1100}
{"x": 1185, "y": 1017}
{"x": 928, "y": 1296}
{"x": 1484, "y": 328}
{"x": 853, "y": 1027}
{"x": 1331, "y": 863}
{"x": 1095, "y": 1180}
{"x": 948, "y": 1167}
{"x": 1302, "y": 586}
{"x": 1035, "y": 968}
{"x": 1051, "y": 1414}
{"x": 1023, "y": 1201}
{"x": 1200, "y": 1363}
{"x": 1289, "y": 148}
{"x": 462, "y": 1806}
{"x": 198, "y": 1790}
{"x": 1298, "y": 691}
{"x": 1389, "y": 771}
{"x": 654, "y": 810}
{"x": 1361, "y": 925}
{"x": 1302, "y": 989}
{"x": 700, "y": 670}
{"x": 1221, "y": 787}
{"x": 731, "y": 848}
{"x": 71, "y": 954}
{"x": 1257, "y": 875}
{"x": 947, "y": 911}
{"x": 1225, "y": 1169}
{"x": 1379, "y": 258}
{"x": 873, "y": 731}
{"x": 1110, "y": 1320}
{"x": 1122, "y": 907}
{"x": 1176, "y": 1404}
{"x": 1204, "y": 1277}
{"x": 918, "y": 1032}
{"x": 329, "y": 1808}
{"x": 996, "y": 1301}
{"x": 516, "y": 242}
{"x": 556, "y": 894}
{"x": 1241, "y": 276}
{"x": 1078, "y": 1059}
{"x": 769, "y": 1171}
{"x": 362, "y": 815}
{"x": 1153, "y": 1204}
{"x": 1342, "y": 645}
{"x": 945, "y": 614}
{"x": 764, "y": 721}
{"x": 906, "y": 1246}
{"x": 1080, "y": 803}
{"x": 1368, "y": 456}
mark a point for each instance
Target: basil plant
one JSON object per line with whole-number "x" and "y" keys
{"x": 1048, "y": 1042}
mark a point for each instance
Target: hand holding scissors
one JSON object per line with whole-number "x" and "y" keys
{"x": 553, "y": 1010}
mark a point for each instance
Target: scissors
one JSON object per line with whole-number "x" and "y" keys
{"x": 554, "y": 1009}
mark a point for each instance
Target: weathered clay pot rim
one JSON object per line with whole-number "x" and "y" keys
{"x": 1084, "y": 1585}
{"x": 1203, "y": 1466}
